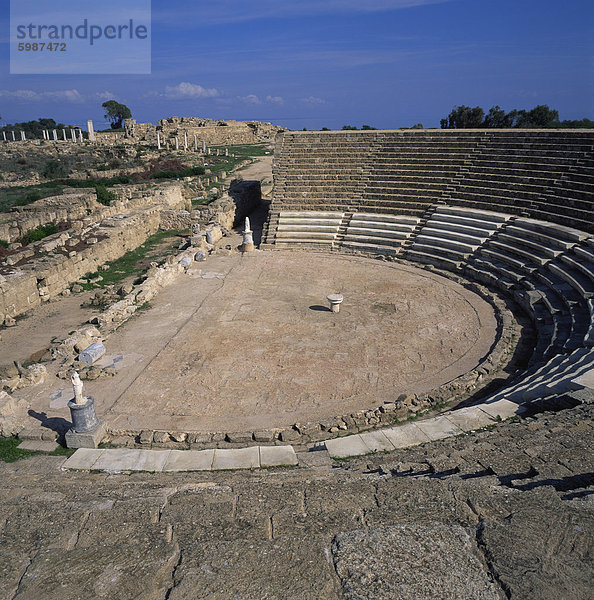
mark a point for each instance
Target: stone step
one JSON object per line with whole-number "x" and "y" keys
{"x": 398, "y": 233}
{"x": 433, "y": 229}
{"x": 552, "y": 230}
{"x": 290, "y": 227}
{"x": 361, "y": 216}
{"x": 551, "y": 247}
{"x": 519, "y": 265}
{"x": 517, "y": 250}
{"x": 576, "y": 280}
{"x": 425, "y": 241}
{"x": 426, "y": 257}
{"x": 305, "y": 235}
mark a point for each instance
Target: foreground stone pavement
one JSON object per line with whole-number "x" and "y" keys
{"x": 501, "y": 513}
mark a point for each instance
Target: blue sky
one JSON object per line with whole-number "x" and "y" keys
{"x": 326, "y": 63}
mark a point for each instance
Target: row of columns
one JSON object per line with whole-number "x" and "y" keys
{"x": 204, "y": 148}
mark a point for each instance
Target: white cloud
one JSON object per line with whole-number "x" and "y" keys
{"x": 185, "y": 90}
{"x": 250, "y": 99}
{"x": 275, "y": 99}
{"x": 230, "y": 11}
{"x": 253, "y": 99}
{"x": 73, "y": 96}
{"x": 313, "y": 101}
{"x": 105, "y": 95}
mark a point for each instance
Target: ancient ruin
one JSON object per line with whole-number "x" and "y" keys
{"x": 455, "y": 380}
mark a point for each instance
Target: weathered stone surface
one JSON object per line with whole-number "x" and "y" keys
{"x": 139, "y": 571}
{"x": 12, "y": 414}
{"x": 412, "y": 561}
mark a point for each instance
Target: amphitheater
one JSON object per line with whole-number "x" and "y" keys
{"x": 466, "y": 262}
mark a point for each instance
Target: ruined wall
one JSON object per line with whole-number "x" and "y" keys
{"x": 42, "y": 270}
{"x": 218, "y": 133}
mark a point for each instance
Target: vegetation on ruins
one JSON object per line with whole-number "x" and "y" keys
{"x": 39, "y": 233}
{"x": 116, "y": 113}
{"x": 540, "y": 117}
{"x": 156, "y": 248}
{"x": 53, "y": 169}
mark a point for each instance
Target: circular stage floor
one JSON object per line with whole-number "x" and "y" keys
{"x": 248, "y": 343}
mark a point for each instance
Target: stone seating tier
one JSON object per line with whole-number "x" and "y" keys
{"x": 537, "y": 173}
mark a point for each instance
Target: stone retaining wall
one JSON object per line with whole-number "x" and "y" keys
{"x": 49, "y": 267}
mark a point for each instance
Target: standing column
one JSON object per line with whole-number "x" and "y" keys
{"x": 91, "y": 131}
{"x": 55, "y": 136}
{"x": 73, "y": 134}
{"x": 13, "y": 137}
{"x": 195, "y": 143}
{"x": 23, "y": 137}
{"x": 204, "y": 147}
{"x": 176, "y": 143}
{"x": 4, "y": 135}
{"x": 64, "y": 134}
{"x": 158, "y": 141}
{"x": 185, "y": 141}
{"x": 80, "y": 135}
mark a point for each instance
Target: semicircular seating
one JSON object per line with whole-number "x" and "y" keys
{"x": 510, "y": 209}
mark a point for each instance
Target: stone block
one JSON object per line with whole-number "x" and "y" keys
{"x": 131, "y": 460}
{"x": 146, "y": 436}
{"x": 236, "y": 458}
{"x": 377, "y": 441}
{"x": 240, "y": 437}
{"x": 405, "y": 436}
{"x": 289, "y": 435}
{"x": 189, "y": 460}
{"x": 344, "y": 447}
{"x": 160, "y": 437}
{"x": 264, "y": 436}
{"x": 438, "y": 428}
{"x": 89, "y": 439}
{"x": 83, "y": 459}
{"x": 276, "y": 456}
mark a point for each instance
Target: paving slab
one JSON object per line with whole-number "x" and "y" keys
{"x": 131, "y": 460}
{"x": 351, "y": 445}
{"x": 83, "y": 459}
{"x": 377, "y": 441}
{"x": 236, "y": 458}
{"x": 189, "y": 460}
{"x": 277, "y": 456}
{"x": 38, "y": 445}
{"x": 470, "y": 418}
{"x": 438, "y": 428}
{"x": 405, "y": 436}
{"x": 502, "y": 408}
{"x": 585, "y": 380}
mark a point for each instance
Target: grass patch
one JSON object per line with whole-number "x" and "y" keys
{"x": 62, "y": 451}
{"x": 128, "y": 265}
{"x": 9, "y": 450}
{"x": 4, "y": 244}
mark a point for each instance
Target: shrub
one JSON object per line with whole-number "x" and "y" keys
{"x": 104, "y": 196}
{"x": 53, "y": 170}
{"x": 43, "y": 231}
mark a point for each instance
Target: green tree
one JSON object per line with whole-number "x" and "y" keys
{"x": 497, "y": 118}
{"x": 464, "y": 117}
{"x": 349, "y": 128}
{"x": 540, "y": 117}
{"x": 116, "y": 113}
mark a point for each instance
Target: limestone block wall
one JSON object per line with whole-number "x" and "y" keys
{"x": 543, "y": 174}
{"x": 56, "y": 209}
{"x": 47, "y": 268}
{"x": 218, "y": 133}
